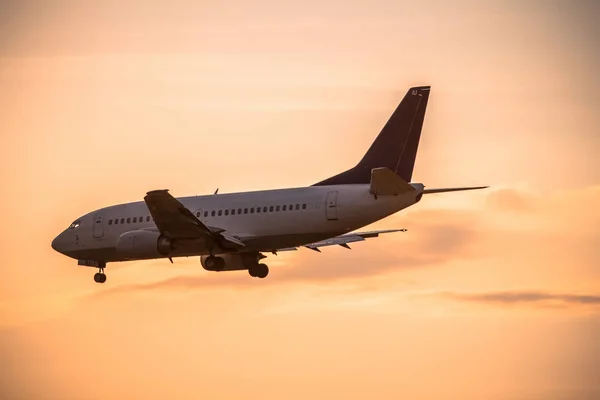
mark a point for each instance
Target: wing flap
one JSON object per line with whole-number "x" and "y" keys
{"x": 232, "y": 241}
{"x": 343, "y": 240}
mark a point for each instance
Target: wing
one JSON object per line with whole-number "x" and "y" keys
{"x": 172, "y": 218}
{"x": 343, "y": 240}
{"x": 175, "y": 221}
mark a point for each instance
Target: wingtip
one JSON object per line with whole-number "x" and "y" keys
{"x": 422, "y": 88}
{"x": 157, "y": 191}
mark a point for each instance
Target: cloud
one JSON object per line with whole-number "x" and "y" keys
{"x": 440, "y": 238}
{"x": 311, "y": 269}
{"x": 510, "y": 200}
{"x": 526, "y": 297}
{"x": 181, "y": 283}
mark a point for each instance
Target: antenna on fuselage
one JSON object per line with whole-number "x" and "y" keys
{"x": 216, "y": 191}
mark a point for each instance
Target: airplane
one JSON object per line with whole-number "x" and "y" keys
{"x": 233, "y": 231}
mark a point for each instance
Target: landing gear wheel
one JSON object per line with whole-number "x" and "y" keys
{"x": 263, "y": 271}
{"x": 100, "y": 277}
{"x": 259, "y": 271}
{"x": 213, "y": 263}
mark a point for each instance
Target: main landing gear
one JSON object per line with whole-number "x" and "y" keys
{"x": 259, "y": 271}
{"x": 100, "y": 277}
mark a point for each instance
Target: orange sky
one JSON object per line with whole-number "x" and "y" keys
{"x": 489, "y": 295}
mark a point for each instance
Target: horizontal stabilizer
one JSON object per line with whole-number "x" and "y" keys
{"x": 458, "y": 189}
{"x": 385, "y": 181}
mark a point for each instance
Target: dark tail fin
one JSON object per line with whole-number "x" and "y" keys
{"x": 396, "y": 146}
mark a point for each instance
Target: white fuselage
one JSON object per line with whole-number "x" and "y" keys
{"x": 263, "y": 220}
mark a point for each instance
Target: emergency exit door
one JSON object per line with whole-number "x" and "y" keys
{"x": 331, "y": 206}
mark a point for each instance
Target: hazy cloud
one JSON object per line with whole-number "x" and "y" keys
{"x": 510, "y": 200}
{"x": 182, "y": 283}
{"x": 526, "y": 297}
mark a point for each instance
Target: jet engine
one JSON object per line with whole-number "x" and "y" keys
{"x": 232, "y": 262}
{"x": 142, "y": 244}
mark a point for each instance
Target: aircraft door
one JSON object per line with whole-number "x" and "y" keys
{"x": 331, "y": 206}
{"x": 98, "y": 221}
{"x": 199, "y": 214}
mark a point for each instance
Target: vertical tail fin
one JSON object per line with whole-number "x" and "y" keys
{"x": 396, "y": 145}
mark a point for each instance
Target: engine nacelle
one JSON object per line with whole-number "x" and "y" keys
{"x": 233, "y": 262}
{"x": 143, "y": 244}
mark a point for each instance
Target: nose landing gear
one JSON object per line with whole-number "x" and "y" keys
{"x": 100, "y": 277}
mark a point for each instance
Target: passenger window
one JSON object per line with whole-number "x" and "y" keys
{"x": 198, "y": 214}
{"x": 147, "y": 218}
{"x": 205, "y": 214}
{"x": 220, "y": 213}
{"x": 284, "y": 208}
{"x": 233, "y": 211}
{"x": 116, "y": 221}
{"x": 110, "y": 221}
{"x": 277, "y": 208}
{"x": 304, "y": 206}
{"x": 122, "y": 220}
{"x": 271, "y": 209}
{"x": 265, "y": 209}
{"x": 212, "y": 213}
{"x": 226, "y": 212}
{"x": 134, "y": 220}
{"x": 252, "y": 210}
{"x": 297, "y": 206}
{"x": 245, "y": 211}
{"x": 291, "y": 207}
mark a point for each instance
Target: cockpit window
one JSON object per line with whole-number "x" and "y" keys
{"x": 75, "y": 224}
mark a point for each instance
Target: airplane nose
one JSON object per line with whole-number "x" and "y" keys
{"x": 54, "y": 243}
{"x": 57, "y": 244}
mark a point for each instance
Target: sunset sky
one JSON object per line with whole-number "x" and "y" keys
{"x": 489, "y": 295}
